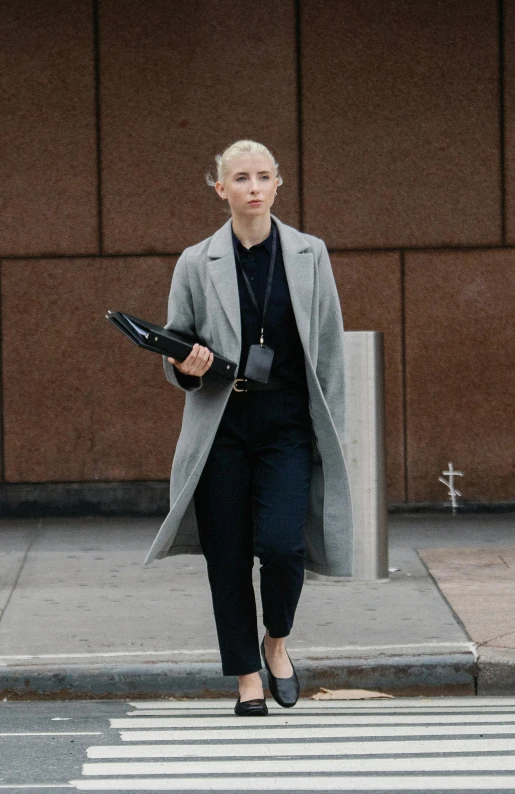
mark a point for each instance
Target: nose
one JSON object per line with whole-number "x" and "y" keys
{"x": 254, "y": 186}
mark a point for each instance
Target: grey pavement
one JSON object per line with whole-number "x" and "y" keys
{"x": 82, "y": 617}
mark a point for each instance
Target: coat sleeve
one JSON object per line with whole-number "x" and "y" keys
{"x": 181, "y": 318}
{"x": 330, "y": 363}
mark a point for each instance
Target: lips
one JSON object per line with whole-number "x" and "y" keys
{"x": 255, "y": 202}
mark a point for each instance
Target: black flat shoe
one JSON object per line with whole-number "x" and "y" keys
{"x": 284, "y": 691}
{"x": 251, "y": 708}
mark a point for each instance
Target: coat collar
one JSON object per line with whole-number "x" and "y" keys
{"x": 268, "y": 243}
{"x": 292, "y": 241}
{"x": 298, "y": 264}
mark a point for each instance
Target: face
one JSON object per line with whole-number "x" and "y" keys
{"x": 250, "y": 185}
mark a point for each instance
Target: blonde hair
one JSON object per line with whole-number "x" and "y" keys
{"x": 237, "y": 149}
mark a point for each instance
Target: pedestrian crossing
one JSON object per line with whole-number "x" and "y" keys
{"x": 408, "y": 745}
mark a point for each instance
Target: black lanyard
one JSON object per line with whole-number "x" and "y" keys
{"x": 269, "y": 282}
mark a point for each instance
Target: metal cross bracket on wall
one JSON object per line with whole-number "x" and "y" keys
{"x": 453, "y": 492}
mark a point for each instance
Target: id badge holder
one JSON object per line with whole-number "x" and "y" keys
{"x": 259, "y": 363}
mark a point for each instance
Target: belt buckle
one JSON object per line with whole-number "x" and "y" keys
{"x": 241, "y": 380}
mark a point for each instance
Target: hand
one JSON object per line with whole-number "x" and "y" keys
{"x": 197, "y": 363}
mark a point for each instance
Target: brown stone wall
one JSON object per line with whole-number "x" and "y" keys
{"x": 394, "y": 126}
{"x": 179, "y": 81}
{"x": 48, "y": 146}
{"x": 80, "y": 402}
{"x": 401, "y": 122}
{"x": 460, "y": 385}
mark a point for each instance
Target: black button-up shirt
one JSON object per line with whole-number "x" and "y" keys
{"x": 281, "y": 332}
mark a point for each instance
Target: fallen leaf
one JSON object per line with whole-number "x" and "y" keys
{"x": 347, "y": 694}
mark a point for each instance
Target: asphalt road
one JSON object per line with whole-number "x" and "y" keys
{"x": 402, "y": 744}
{"x": 44, "y": 743}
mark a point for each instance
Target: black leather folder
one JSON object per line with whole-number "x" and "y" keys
{"x": 167, "y": 342}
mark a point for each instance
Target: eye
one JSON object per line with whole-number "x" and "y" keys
{"x": 265, "y": 176}
{"x": 239, "y": 178}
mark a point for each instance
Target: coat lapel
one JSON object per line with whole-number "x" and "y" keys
{"x": 222, "y": 270}
{"x": 298, "y": 264}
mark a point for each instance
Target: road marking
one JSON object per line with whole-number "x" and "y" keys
{"x": 494, "y": 763}
{"x": 421, "y": 747}
{"x": 311, "y": 719}
{"x": 401, "y": 783}
{"x": 342, "y": 709}
{"x": 400, "y": 703}
{"x": 339, "y": 732}
{"x": 37, "y": 785}
{"x": 299, "y": 749}
{"x": 55, "y": 733}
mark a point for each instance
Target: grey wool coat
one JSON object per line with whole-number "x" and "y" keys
{"x": 204, "y": 300}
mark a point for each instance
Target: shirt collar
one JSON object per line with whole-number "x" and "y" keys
{"x": 266, "y": 243}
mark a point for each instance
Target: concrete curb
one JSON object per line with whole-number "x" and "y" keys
{"x": 497, "y": 671}
{"x": 445, "y": 674}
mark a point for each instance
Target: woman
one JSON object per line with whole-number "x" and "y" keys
{"x": 259, "y": 467}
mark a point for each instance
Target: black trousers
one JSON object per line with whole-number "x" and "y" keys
{"x": 252, "y": 499}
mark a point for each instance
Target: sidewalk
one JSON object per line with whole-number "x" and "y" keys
{"x": 81, "y": 617}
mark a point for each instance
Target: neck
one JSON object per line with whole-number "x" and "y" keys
{"x": 252, "y": 231}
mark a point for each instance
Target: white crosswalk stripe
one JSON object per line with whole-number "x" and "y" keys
{"x": 300, "y": 766}
{"x": 339, "y": 731}
{"x": 498, "y": 704}
{"x": 278, "y": 749}
{"x": 431, "y": 744}
{"x": 300, "y": 711}
{"x": 438, "y": 783}
{"x": 313, "y": 719}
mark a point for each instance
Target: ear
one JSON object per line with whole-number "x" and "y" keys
{"x": 220, "y": 190}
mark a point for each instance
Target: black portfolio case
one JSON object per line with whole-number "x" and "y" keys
{"x": 167, "y": 342}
